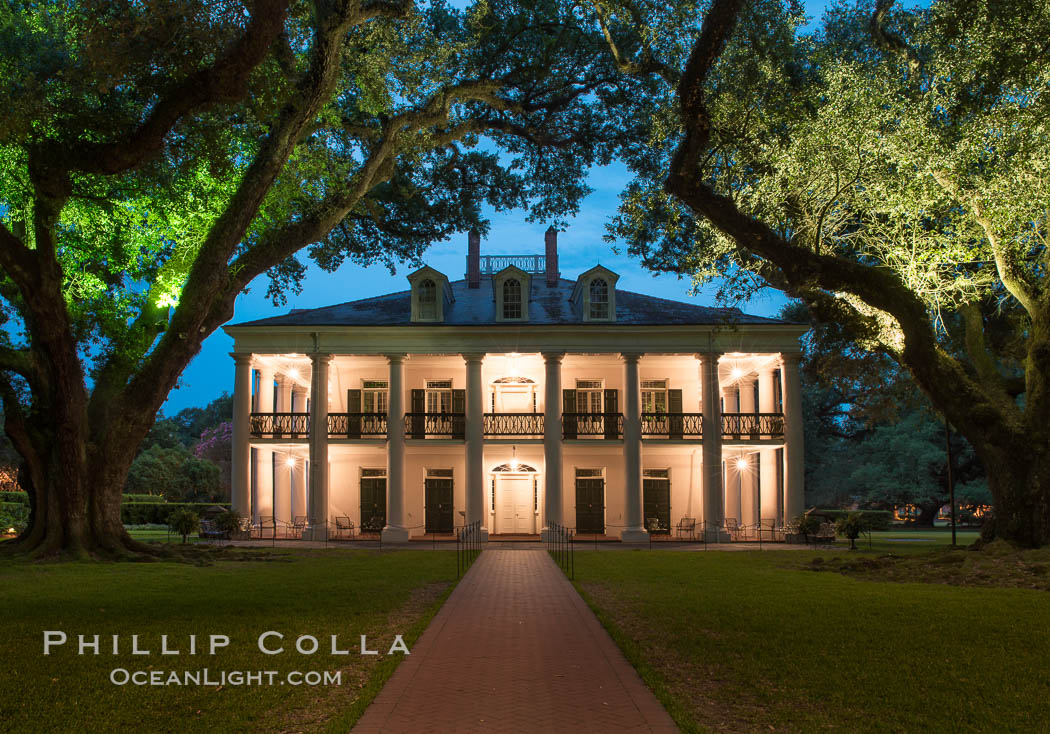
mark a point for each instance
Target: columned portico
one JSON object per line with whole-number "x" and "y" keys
{"x": 318, "y": 510}
{"x": 474, "y": 436}
{"x": 552, "y": 440}
{"x": 632, "y": 451}
{"x": 395, "y": 530}
{"x": 794, "y": 475}
{"x": 767, "y": 457}
{"x": 714, "y": 515}
{"x": 240, "y": 460}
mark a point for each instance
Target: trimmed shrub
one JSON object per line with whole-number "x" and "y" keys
{"x": 145, "y": 513}
{"x": 869, "y": 519}
{"x": 19, "y": 497}
{"x": 184, "y": 522}
{"x": 143, "y": 498}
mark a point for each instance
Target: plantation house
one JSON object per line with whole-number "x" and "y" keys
{"x": 519, "y": 399}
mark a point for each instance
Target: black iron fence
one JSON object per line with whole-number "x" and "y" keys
{"x": 752, "y": 425}
{"x": 468, "y": 546}
{"x": 421, "y": 425}
{"x": 609, "y": 425}
{"x": 673, "y": 425}
{"x": 279, "y": 425}
{"x": 513, "y": 424}
{"x": 355, "y": 425}
{"x": 560, "y": 546}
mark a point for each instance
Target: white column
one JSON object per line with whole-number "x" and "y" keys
{"x": 318, "y": 510}
{"x": 282, "y": 403}
{"x": 282, "y": 491}
{"x": 767, "y": 457}
{"x": 794, "y": 450}
{"x": 395, "y": 531}
{"x": 475, "y": 443}
{"x": 297, "y": 404}
{"x": 714, "y": 515}
{"x": 240, "y": 459}
{"x": 632, "y": 451}
{"x": 552, "y": 468}
{"x": 748, "y": 505}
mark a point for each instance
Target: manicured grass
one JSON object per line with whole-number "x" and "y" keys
{"x": 746, "y": 641}
{"x": 242, "y": 594}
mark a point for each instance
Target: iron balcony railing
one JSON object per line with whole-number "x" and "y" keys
{"x": 513, "y": 424}
{"x": 279, "y": 425}
{"x": 422, "y": 425}
{"x": 355, "y": 425}
{"x": 673, "y": 425}
{"x": 609, "y": 425}
{"x": 752, "y": 425}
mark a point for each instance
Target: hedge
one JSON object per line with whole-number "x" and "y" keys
{"x": 23, "y": 499}
{"x": 141, "y": 513}
{"x": 19, "y": 497}
{"x": 870, "y": 519}
{"x": 143, "y": 498}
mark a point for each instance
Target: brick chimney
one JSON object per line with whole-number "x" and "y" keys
{"x": 551, "y": 241}
{"x": 473, "y": 259}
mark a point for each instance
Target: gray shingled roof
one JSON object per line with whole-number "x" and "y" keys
{"x": 476, "y": 307}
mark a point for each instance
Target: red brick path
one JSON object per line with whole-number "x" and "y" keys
{"x": 515, "y": 649}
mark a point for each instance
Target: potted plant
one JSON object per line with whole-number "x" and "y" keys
{"x": 807, "y": 525}
{"x": 850, "y": 526}
{"x": 230, "y": 524}
{"x": 184, "y": 522}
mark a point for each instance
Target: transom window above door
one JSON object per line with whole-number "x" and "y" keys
{"x": 439, "y": 396}
{"x": 654, "y": 396}
{"x": 374, "y": 396}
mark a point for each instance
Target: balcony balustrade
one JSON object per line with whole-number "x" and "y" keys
{"x": 279, "y": 425}
{"x": 608, "y": 425}
{"x": 356, "y": 425}
{"x": 513, "y": 424}
{"x": 444, "y": 425}
{"x": 673, "y": 425}
{"x": 752, "y": 425}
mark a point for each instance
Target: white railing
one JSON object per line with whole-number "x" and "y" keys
{"x": 529, "y": 263}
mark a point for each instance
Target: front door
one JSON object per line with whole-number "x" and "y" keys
{"x": 438, "y": 512}
{"x": 590, "y": 505}
{"x": 516, "y": 513}
{"x": 373, "y": 504}
{"x": 656, "y": 503}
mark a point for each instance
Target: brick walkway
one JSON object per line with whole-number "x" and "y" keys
{"x": 515, "y": 649}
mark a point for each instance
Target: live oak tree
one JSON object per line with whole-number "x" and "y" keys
{"x": 890, "y": 170}
{"x": 156, "y": 158}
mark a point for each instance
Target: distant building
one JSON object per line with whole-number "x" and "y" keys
{"x": 517, "y": 398}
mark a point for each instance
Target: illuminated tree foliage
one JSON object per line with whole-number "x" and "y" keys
{"x": 890, "y": 170}
{"x": 156, "y": 157}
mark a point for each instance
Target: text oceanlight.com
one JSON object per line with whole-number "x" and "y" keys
{"x": 218, "y": 678}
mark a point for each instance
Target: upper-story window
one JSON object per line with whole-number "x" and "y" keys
{"x": 374, "y": 396}
{"x": 427, "y": 299}
{"x": 654, "y": 396}
{"x": 512, "y": 298}
{"x": 599, "y": 299}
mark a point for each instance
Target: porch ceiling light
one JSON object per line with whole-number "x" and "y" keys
{"x": 736, "y": 373}
{"x": 290, "y": 461}
{"x": 293, "y": 373}
{"x": 741, "y": 463}
{"x": 514, "y": 458}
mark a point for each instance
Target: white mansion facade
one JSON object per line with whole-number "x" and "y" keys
{"x": 517, "y": 398}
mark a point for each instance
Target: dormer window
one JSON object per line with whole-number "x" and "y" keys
{"x": 594, "y": 296}
{"x": 512, "y": 299}
{"x": 428, "y": 303}
{"x": 599, "y": 301}
{"x": 510, "y": 292}
{"x": 431, "y": 295}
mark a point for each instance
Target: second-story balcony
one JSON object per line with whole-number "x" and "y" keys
{"x": 356, "y": 425}
{"x": 279, "y": 425}
{"x": 435, "y": 425}
{"x": 752, "y": 425}
{"x": 514, "y": 424}
{"x": 673, "y": 425}
{"x": 592, "y": 425}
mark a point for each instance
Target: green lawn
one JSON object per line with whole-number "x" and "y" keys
{"x": 757, "y": 642}
{"x": 322, "y": 593}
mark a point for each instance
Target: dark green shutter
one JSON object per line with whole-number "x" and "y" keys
{"x": 459, "y": 409}
{"x": 417, "y": 424}
{"x": 674, "y": 408}
{"x": 612, "y": 408}
{"x": 568, "y": 408}
{"x": 353, "y": 406}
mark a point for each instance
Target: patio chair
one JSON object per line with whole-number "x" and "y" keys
{"x": 767, "y": 524}
{"x": 733, "y": 528}
{"x": 298, "y": 526}
{"x": 344, "y": 524}
{"x": 686, "y": 526}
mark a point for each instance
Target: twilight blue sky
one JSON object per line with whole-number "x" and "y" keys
{"x": 580, "y": 247}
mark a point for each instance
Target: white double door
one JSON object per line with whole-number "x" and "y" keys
{"x": 515, "y": 507}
